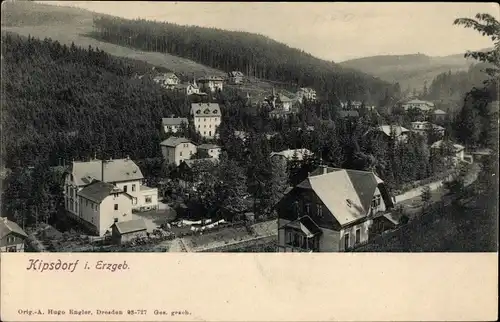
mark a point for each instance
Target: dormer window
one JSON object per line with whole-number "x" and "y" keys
{"x": 216, "y": 111}
{"x": 349, "y": 202}
{"x": 198, "y": 112}
{"x": 207, "y": 111}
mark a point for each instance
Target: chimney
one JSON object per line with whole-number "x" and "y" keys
{"x": 102, "y": 170}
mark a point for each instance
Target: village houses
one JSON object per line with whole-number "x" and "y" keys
{"x": 206, "y": 118}
{"x": 211, "y": 83}
{"x": 173, "y": 124}
{"x": 189, "y": 88}
{"x": 351, "y": 105}
{"x": 333, "y": 210}
{"x": 12, "y": 237}
{"x": 167, "y": 80}
{"x": 175, "y": 149}
{"x": 235, "y": 77}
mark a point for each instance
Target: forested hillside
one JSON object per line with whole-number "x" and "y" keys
{"x": 410, "y": 71}
{"x": 253, "y": 54}
{"x": 448, "y": 89}
{"x": 67, "y": 102}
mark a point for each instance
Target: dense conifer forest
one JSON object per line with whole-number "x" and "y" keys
{"x": 255, "y": 55}
{"x": 61, "y": 102}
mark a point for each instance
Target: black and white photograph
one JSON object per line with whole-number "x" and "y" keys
{"x": 249, "y": 127}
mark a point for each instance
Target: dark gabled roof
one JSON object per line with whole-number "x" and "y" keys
{"x": 346, "y": 193}
{"x": 174, "y": 120}
{"x": 174, "y": 141}
{"x": 7, "y": 227}
{"x": 130, "y": 226}
{"x": 205, "y": 109}
{"x": 98, "y": 190}
{"x": 114, "y": 171}
{"x": 306, "y": 225}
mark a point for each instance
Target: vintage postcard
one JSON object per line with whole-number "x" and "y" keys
{"x": 166, "y": 161}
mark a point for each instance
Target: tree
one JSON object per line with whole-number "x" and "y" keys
{"x": 230, "y": 187}
{"x": 488, "y": 26}
{"x": 426, "y": 196}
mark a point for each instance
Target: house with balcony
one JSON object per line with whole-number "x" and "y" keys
{"x": 333, "y": 210}
{"x": 173, "y": 124}
{"x": 12, "y": 237}
{"x": 211, "y": 83}
{"x": 177, "y": 149}
{"x": 206, "y": 118}
{"x": 123, "y": 174}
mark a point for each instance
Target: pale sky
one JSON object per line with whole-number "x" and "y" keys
{"x": 333, "y": 31}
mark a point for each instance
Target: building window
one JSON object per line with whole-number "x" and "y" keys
{"x": 148, "y": 199}
{"x": 180, "y": 154}
{"x": 346, "y": 241}
{"x": 288, "y": 237}
{"x": 319, "y": 210}
{"x": 358, "y": 236}
{"x": 133, "y": 187}
{"x": 116, "y": 220}
{"x": 125, "y": 188}
{"x": 376, "y": 201}
{"x": 116, "y": 206}
{"x": 307, "y": 208}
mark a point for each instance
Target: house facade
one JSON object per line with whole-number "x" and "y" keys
{"x": 332, "y": 210}
{"x": 212, "y": 150}
{"x": 103, "y": 204}
{"x": 121, "y": 173}
{"x": 206, "y": 118}
{"x": 438, "y": 115}
{"x": 175, "y": 150}
{"x": 235, "y": 77}
{"x": 211, "y": 83}
{"x": 12, "y": 237}
{"x": 423, "y": 128}
{"x": 173, "y": 124}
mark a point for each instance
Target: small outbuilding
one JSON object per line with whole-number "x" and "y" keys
{"x": 125, "y": 231}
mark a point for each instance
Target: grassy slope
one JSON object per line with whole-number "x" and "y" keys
{"x": 67, "y": 25}
{"x": 409, "y": 70}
